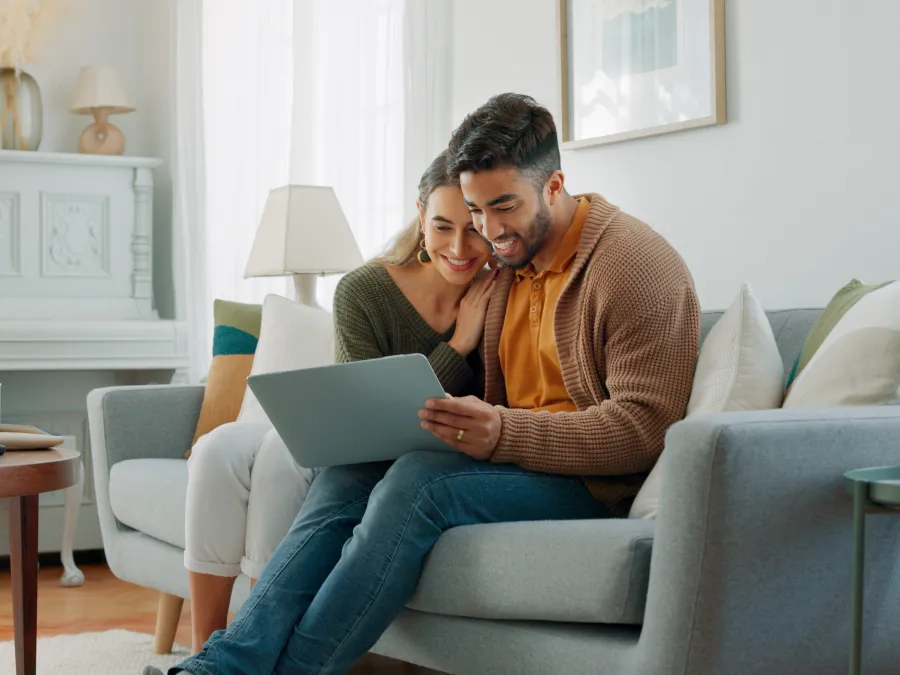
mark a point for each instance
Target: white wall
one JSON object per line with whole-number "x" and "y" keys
{"x": 796, "y": 194}
{"x": 137, "y": 37}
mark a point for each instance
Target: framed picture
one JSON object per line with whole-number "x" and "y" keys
{"x": 636, "y": 68}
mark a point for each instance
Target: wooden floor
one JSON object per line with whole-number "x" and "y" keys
{"x": 105, "y": 603}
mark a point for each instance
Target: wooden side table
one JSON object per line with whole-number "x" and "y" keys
{"x": 874, "y": 490}
{"x": 23, "y": 476}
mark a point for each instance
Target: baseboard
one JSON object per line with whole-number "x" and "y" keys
{"x": 50, "y": 560}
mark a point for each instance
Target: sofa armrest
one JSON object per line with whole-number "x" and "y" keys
{"x": 752, "y": 558}
{"x": 136, "y": 423}
{"x": 144, "y": 421}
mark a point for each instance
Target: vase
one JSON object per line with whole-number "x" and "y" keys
{"x": 21, "y": 111}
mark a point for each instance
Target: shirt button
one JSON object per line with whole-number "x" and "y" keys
{"x": 534, "y": 308}
{"x": 537, "y": 285}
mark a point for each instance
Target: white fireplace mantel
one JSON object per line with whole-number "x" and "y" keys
{"x": 76, "y": 270}
{"x": 25, "y": 157}
{"x": 76, "y": 306}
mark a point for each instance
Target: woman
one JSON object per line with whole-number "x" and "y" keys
{"x": 424, "y": 295}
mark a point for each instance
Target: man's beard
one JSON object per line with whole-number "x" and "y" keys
{"x": 537, "y": 236}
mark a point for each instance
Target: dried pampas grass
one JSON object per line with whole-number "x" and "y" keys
{"x": 24, "y": 26}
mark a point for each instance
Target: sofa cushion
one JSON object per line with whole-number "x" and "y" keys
{"x": 580, "y": 571}
{"x": 841, "y": 303}
{"x": 739, "y": 367}
{"x": 853, "y": 359}
{"x": 148, "y": 495}
{"x": 292, "y": 336}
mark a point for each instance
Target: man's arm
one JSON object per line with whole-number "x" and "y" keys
{"x": 650, "y": 367}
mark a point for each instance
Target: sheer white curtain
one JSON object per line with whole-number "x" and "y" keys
{"x": 427, "y": 81}
{"x": 349, "y": 114}
{"x": 248, "y": 71}
{"x": 189, "y": 177}
{"x": 347, "y": 93}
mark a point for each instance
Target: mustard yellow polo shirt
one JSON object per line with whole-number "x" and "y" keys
{"x": 528, "y": 355}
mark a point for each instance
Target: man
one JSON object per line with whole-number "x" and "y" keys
{"x": 590, "y": 346}
{"x": 616, "y": 296}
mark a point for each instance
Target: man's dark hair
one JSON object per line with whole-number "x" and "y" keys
{"x": 508, "y": 130}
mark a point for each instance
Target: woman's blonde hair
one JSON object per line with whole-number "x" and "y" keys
{"x": 403, "y": 248}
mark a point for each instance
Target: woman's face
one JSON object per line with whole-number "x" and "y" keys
{"x": 455, "y": 247}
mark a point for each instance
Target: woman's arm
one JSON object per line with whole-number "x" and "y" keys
{"x": 453, "y": 371}
{"x": 358, "y": 339}
{"x": 355, "y": 338}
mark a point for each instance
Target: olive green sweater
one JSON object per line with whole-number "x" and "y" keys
{"x": 372, "y": 318}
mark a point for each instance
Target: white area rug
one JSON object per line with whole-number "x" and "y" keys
{"x": 114, "y": 652}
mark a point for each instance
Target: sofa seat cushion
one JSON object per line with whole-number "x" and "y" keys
{"x": 148, "y": 495}
{"x": 593, "y": 571}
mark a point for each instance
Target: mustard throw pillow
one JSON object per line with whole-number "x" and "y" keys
{"x": 235, "y": 338}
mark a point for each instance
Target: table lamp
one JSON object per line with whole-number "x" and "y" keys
{"x": 303, "y": 232}
{"x": 101, "y": 92}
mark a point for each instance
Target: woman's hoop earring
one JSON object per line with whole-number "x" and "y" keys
{"x": 422, "y": 255}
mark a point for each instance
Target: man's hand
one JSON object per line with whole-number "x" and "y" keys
{"x": 478, "y": 421}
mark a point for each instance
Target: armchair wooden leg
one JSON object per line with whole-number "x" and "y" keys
{"x": 167, "y": 615}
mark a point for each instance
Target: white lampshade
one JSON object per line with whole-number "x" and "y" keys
{"x": 302, "y": 231}
{"x": 100, "y": 87}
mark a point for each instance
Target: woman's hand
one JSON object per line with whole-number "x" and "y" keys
{"x": 472, "y": 311}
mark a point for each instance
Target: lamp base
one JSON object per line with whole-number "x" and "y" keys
{"x": 305, "y": 290}
{"x": 101, "y": 137}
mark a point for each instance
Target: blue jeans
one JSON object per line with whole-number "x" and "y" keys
{"x": 354, "y": 554}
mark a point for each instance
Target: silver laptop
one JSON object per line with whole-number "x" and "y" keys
{"x": 365, "y": 411}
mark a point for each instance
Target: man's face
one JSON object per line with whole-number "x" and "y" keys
{"x": 509, "y": 212}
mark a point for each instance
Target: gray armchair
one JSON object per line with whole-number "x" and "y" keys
{"x": 157, "y": 423}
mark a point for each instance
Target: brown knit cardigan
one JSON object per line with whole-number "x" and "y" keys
{"x": 627, "y": 330}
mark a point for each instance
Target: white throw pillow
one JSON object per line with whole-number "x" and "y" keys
{"x": 291, "y": 336}
{"x": 739, "y": 368}
{"x": 859, "y": 362}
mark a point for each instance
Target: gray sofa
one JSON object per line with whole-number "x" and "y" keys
{"x": 747, "y": 569}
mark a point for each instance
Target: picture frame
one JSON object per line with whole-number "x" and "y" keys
{"x": 638, "y": 68}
